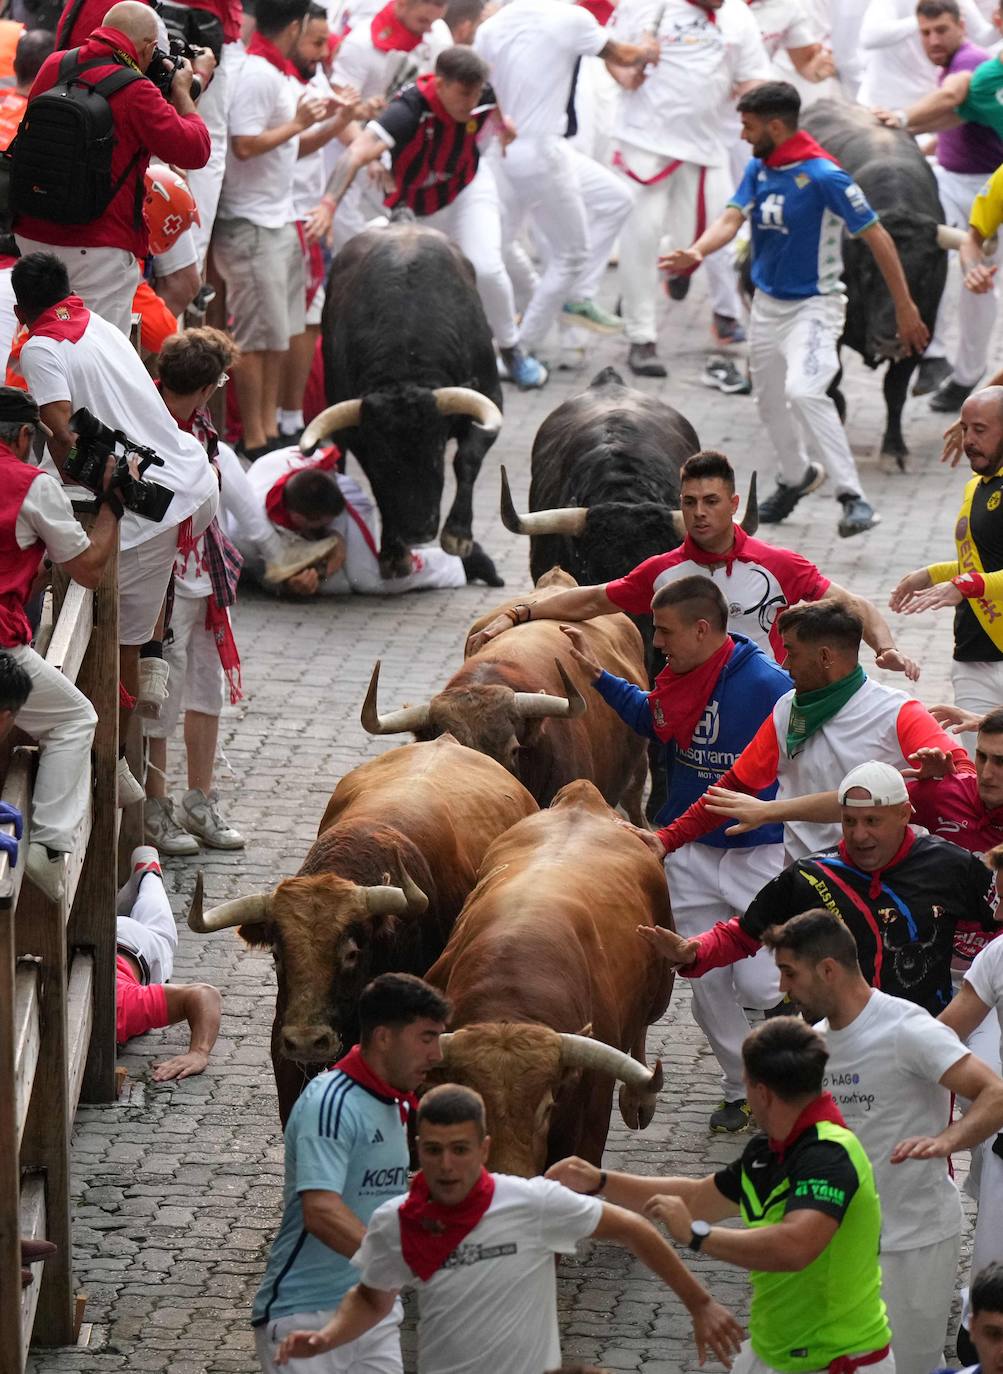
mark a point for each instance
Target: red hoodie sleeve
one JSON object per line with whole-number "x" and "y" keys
{"x": 155, "y": 124}
{"x": 917, "y": 729}
{"x": 725, "y": 943}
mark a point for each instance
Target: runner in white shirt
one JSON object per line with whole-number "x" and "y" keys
{"x": 892, "y": 1069}
{"x": 486, "y": 1280}
{"x": 896, "y": 71}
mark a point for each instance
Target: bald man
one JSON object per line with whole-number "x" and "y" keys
{"x": 972, "y": 582}
{"x": 103, "y": 257}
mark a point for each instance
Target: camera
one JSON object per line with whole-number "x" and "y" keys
{"x": 164, "y": 66}
{"x": 96, "y": 443}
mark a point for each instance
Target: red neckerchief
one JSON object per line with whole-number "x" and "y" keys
{"x": 6, "y": 262}
{"x": 680, "y": 699}
{"x": 119, "y": 45}
{"x": 711, "y": 15}
{"x": 357, "y": 1069}
{"x": 260, "y": 46}
{"x": 798, "y": 148}
{"x": 696, "y": 554}
{"x": 66, "y": 320}
{"x": 275, "y": 501}
{"x": 427, "y": 88}
{"x": 430, "y": 1231}
{"x": 389, "y": 34}
{"x": 875, "y": 886}
{"x": 822, "y": 1108}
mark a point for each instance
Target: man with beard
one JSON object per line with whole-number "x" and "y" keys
{"x": 972, "y": 582}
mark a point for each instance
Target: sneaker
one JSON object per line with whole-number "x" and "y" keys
{"x": 523, "y": 369}
{"x": 723, "y": 374}
{"x": 479, "y": 567}
{"x": 47, "y": 873}
{"x": 858, "y": 516}
{"x": 731, "y": 1116}
{"x": 199, "y": 816}
{"x": 782, "y": 500}
{"x": 128, "y": 788}
{"x": 643, "y": 361}
{"x": 677, "y": 288}
{"x": 727, "y": 330}
{"x": 593, "y": 316}
{"x": 929, "y": 375}
{"x": 145, "y": 859}
{"x": 163, "y": 829}
{"x": 785, "y": 1007}
{"x": 950, "y": 396}
{"x": 153, "y": 676}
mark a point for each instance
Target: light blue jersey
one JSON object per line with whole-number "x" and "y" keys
{"x": 797, "y": 214}
{"x": 341, "y": 1138}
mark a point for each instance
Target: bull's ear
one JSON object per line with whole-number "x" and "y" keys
{"x": 586, "y": 1031}
{"x": 257, "y": 934}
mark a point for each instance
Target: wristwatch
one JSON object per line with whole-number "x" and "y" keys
{"x": 699, "y": 1231}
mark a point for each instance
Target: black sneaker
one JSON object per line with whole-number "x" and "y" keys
{"x": 722, "y": 373}
{"x": 479, "y": 567}
{"x": 731, "y": 1117}
{"x": 858, "y": 516}
{"x": 677, "y": 288}
{"x": 950, "y": 396}
{"x": 929, "y": 375}
{"x": 782, "y": 500}
{"x": 642, "y": 359}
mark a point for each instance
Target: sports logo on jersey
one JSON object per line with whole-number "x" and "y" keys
{"x": 961, "y": 528}
{"x": 801, "y": 180}
{"x": 856, "y": 197}
{"x": 377, "y": 1138}
{"x": 771, "y": 211}
{"x": 708, "y": 727}
{"x": 993, "y": 501}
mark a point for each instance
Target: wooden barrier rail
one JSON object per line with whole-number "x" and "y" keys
{"x": 57, "y": 985}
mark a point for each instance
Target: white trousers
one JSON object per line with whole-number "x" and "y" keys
{"x": 664, "y": 216}
{"x": 748, "y": 1362}
{"x": 576, "y": 208}
{"x": 150, "y": 930}
{"x": 105, "y": 279}
{"x": 377, "y": 1352}
{"x": 473, "y": 222}
{"x": 976, "y": 314}
{"x": 792, "y": 352}
{"x": 62, "y": 720}
{"x": 206, "y": 182}
{"x": 978, "y": 687}
{"x": 918, "y": 1289}
{"x": 707, "y": 885}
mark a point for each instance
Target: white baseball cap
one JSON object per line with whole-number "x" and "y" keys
{"x": 885, "y": 784}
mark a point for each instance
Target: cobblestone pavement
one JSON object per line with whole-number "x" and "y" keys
{"x": 178, "y": 1187}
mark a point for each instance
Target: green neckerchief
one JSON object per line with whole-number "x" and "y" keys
{"x": 811, "y": 710}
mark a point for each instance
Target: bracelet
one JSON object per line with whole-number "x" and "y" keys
{"x": 523, "y": 606}
{"x": 888, "y": 649}
{"x": 591, "y": 1192}
{"x": 330, "y": 202}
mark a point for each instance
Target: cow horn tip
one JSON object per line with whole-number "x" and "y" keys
{"x": 750, "y": 519}
{"x": 577, "y": 703}
{"x": 509, "y": 514}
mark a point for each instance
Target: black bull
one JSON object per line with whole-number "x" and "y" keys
{"x": 895, "y": 177}
{"x": 408, "y": 352}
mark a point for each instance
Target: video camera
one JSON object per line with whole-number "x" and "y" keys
{"x": 164, "y": 66}
{"x": 96, "y": 443}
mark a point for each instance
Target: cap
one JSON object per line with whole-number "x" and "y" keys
{"x": 19, "y": 407}
{"x": 885, "y": 784}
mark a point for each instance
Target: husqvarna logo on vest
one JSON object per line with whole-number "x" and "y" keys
{"x": 708, "y": 727}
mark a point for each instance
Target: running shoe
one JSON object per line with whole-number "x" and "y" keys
{"x": 677, "y": 288}
{"x": 722, "y": 373}
{"x": 643, "y": 361}
{"x": 783, "y": 498}
{"x": 523, "y": 369}
{"x": 929, "y": 375}
{"x": 200, "y": 816}
{"x": 727, "y": 330}
{"x": 163, "y": 829}
{"x": 592, "y": 316}
{"x": 950, "y": 396}
{"x": 858, "y": 516}
{"x": 731, "y": 1117}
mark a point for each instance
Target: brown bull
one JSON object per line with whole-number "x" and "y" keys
{"x": 544, "y": 954}
{"x": 397, "y": 853}
{"x": 521, "y": 700}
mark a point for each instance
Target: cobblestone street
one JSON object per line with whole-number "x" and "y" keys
{"x": 178, "y": 1186}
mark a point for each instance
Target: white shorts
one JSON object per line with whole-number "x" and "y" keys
{"x": 144, "y": 572}
{"x": 182, "y": 253}
{"x": 377, "y": 1352}
{"x": 748, "y": 1362}
{"x": 196, "y": 679}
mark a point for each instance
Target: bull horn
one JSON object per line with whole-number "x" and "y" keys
{"x": 243, "y": 911}
{"x": 949, "y": 237}
{"x": 750, "y": 516}
{"x": 386, "y": 901}
{"x": 417, "y": 902}
{"x": 533, "y": 705}
{"x": 580, "y": 1052}
{"x": 678, "y": 524}
{"x": 445, "y": 1039}
{"x": 343, "y": 415}
{"x": 464, "y": 400}
{"x": 565, "y": 520}
{"x": 397, "y": 722}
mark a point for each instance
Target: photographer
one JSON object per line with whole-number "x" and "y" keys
{"x": 72, "y": 359}
{"x": 36, "y": 521}
{"x": 101, "y": 255}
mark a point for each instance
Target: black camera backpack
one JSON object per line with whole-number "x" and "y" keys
{"x": 60, "y": 160}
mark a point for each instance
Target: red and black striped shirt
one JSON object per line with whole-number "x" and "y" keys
{"x": 433, "y": 156}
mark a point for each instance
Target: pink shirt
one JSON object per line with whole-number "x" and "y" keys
{"x": 137, "y": 1008}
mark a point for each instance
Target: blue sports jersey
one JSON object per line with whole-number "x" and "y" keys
{"x": 797, "y": 215}
{"x": 340, "y": 1138}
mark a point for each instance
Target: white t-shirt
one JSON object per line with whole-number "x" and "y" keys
{"x": 784, "y": 24}
{"x": 493, "y": 1305}
{"x": 46, "y": 514}
{"x": 357, "y": 63}
{"x": 896, "y": 71}
{"x": 103, "y": 372}
{"x": 884, "y": 1071}
{"x": 532, "y": 47}
{"x": 310, "y": 174}
{"x": 260, "y": 189}
{"x": 8, "y": 320}
{"x": 678, "y": 110}
{"x": 986, "y": 978}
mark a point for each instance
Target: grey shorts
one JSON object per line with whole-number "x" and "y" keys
{"x": 265, "y": 275}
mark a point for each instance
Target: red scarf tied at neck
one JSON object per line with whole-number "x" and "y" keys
{"x": 696, "y": 554}
{"x": 260, "y": 46}
{"x": 798, "y": 148}
{"x": 874, "y": 890}
{"x": 822, "y": 1108}
{"x": 64, "y": 321}
{"x": 275, "y": 500}
{"x": 357, "y": 1069}
{"x": 678, "y": 700}
{"x": 389, "y": 34}
{"x": 711, "y": 15}
{"x": 431, "y": 1231}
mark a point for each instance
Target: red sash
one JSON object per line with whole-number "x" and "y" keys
{"x": 430, "y": 1231}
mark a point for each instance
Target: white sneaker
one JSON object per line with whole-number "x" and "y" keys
{"x": 153, "y": 676}
{"x": 163, "y": 829}
{"x": 49, "y": 875}
{"x": 145, "y": 859}
{"x": 200, "y": 816}
{"x": 129, "y": 789}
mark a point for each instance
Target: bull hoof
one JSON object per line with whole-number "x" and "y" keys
{"x": 459, "y": 543}
{"x": 394, "y": 567}
{"x": 896, "y": 454}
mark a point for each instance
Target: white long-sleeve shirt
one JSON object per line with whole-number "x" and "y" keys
{"x": 896, "y": 70}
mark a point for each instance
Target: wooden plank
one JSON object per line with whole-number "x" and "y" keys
{"x": 79, "y": 1020}
{"x": 11, "y": 1346}
{"x": 27, "y": 1039}
{"x": 16, "y": 792}
{"x": 72, "y": 633}
{"x": 46, "y": 624}
{"x": 32, "y": 1224}
{"x": 78, "y": 854}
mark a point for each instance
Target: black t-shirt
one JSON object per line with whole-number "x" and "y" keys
{"x": 905, "y": 928}
{"x": 971, "y": 643}
{"x": 814, "y": 1175}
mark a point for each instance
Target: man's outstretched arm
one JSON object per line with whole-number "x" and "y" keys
{"x": 201, "y": 1006}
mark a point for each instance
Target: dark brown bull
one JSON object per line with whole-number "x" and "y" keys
{"x": 397, "y": 853}
{"x": 545, "y": 954}
{"x": 521, "y": 700}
